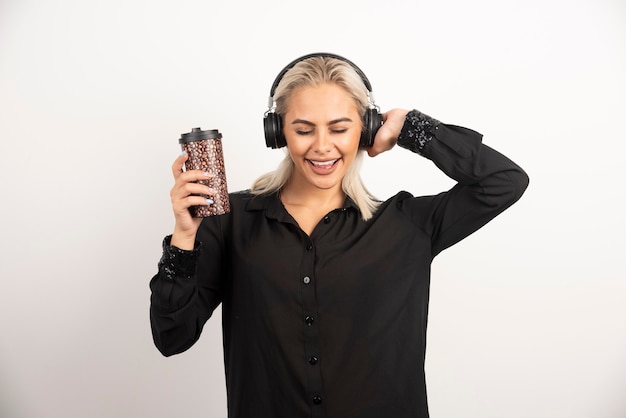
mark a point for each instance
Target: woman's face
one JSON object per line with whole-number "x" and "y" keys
{"x": 322, "y": 127}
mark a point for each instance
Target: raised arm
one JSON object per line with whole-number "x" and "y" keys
{"x": 487, "y": 181}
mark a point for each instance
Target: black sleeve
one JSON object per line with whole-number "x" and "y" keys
{"x": 186, "y": 290}
{"x": 487, "y": 181}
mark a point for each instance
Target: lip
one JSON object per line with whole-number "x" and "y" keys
{"x": 323, "y": 166}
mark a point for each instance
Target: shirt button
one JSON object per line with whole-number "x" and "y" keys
{"x": 309, "y": 246}
{"x": 306, "y": 280}
{"x": 309, "y": 320}
{"x": 313, "y": 360}
{"x": 317, "y": 400}
{"x": 326, "y": 219}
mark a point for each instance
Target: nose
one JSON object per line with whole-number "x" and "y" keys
{"x": 322, "y": 143}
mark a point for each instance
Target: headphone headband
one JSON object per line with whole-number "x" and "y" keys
{"x": 289, "y": 66}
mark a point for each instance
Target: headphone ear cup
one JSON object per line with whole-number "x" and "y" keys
{"x": 372, "y": 121}
{"x": 272, "y": 124}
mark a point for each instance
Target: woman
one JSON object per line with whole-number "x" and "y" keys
{"x": 324, "y": 289}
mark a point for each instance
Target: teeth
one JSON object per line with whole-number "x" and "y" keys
{"x": 323, "y": 163}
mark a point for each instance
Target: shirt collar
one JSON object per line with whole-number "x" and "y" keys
{"x": 274, "y": 208}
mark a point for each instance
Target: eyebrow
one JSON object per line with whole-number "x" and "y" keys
{"x": 332, "y": 122}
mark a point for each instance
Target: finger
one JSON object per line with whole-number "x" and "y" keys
{"x": 182, "y": 205}
{"x": 372, "y": 152}
{"x": 177, "y": 167}
{"x": 189, "y": 189}
{"x": 193, "y": 176}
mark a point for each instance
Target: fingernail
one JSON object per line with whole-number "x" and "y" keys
{"x": 183, "y": 153}
{"x": 209, "y": 201}
{"x": 207, "y": 174}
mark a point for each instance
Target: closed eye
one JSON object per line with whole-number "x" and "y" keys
{"x": 309, "y": 127}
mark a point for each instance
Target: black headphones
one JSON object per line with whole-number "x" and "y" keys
{"x": 272, "y": 122}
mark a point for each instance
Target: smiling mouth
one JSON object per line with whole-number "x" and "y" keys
{"x": 323, "y": 164}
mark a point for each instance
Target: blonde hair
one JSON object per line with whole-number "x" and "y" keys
{"x": 314, "y": 72}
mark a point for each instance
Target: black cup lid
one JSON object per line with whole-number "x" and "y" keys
{"x": 198, "y": 134}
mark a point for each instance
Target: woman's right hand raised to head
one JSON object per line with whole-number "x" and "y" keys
{"x": 186, "y": 193}
{"x": 387, "y": 136}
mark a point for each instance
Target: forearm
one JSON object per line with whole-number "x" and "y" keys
{"x": 171, "y": 307}
{"x": 460, "y": 154}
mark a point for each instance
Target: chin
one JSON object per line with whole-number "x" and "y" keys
{"x": 325, "y": 184}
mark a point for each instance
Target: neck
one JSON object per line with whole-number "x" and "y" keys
{"x": 301, "y": 195}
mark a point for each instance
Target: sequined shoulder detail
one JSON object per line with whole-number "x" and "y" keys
{"x": 176, "y": 262}
{"x": 418, "y": 130}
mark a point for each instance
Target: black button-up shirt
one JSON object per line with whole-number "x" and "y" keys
{"x": 333, "y": 324}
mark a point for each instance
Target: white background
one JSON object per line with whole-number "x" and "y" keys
{"x": 527, "y": 316}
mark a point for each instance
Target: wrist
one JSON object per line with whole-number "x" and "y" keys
{"x": 182, "y": 240}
